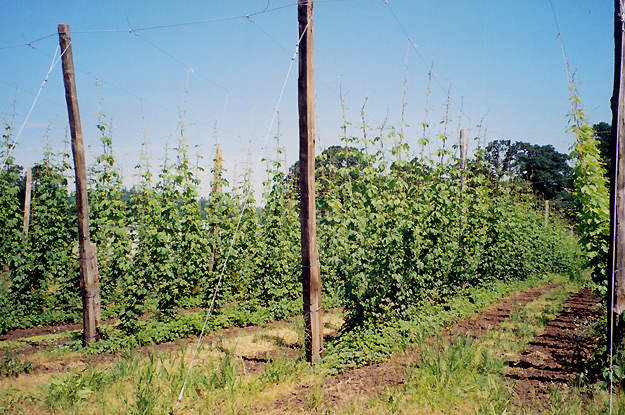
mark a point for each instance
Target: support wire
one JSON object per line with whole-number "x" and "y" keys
{"x": 223, "y": 268}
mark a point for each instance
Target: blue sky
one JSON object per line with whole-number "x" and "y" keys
{"x": 500, "y": 59}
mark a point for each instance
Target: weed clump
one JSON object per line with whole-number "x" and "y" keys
{"x": 12, "y": 366}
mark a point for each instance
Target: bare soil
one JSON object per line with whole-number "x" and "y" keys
{"x": 374, "y": 379}
{"x": 251, "y": 362}
{"x": 554, "y": 358}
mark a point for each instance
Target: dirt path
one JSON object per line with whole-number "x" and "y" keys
{"x": 372, "y": 380}
{"x": 553, "y": 358}
{"x": 251, "y": 362}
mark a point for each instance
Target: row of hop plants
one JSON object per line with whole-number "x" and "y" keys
{"x": 392, "y": 236}
{"x": 395, "y": 238}
{"x": 39, "y": 270}
{"x": 159, "y": 250}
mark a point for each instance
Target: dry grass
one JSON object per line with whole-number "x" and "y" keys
{"x": 218, "y": 382}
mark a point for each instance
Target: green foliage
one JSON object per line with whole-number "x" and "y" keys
{"x": 64, "y": 392}
{"x": 592, "y": 194}
{"x": 12, "y": 366}
{"x": 146, "y": 391}
{"x": 12, "y": 257}
{"x": 109, "y": 222}
{"x": 542, "y": 167}
{"x": 411, "y": 236}
{"x": 10, "y": 212}
{"x": 371, "y": 343}
{"x": 279, "y": 263}
{"x": 393, "y": 238}
{"x": 47, "y": 279}
{"x": 279, "y": 370}
{"x": 603, "y": 134}
{"x": 140, "y": 283}
{"x": 452, "y": 367}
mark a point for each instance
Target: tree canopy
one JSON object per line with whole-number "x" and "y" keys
{"x": 544, "y": 168}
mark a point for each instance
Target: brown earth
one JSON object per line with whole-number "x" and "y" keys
{"x": 374, "y": 379}
{"x": 554, "y": 358}
{"x": 250, "y": 362}
{"x": 19, "y": 334}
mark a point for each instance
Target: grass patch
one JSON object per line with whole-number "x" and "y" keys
{"x": 11, "y": 365}
{"x": 453, "y": 371}
{"x": 453, "y": 374}
{"x": 376, "y": 342}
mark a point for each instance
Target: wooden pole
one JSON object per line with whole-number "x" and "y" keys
{"x": 464, "y": 144}
{"x": 89, "y": 288}
{"x": 546, "y": 213}
{"x": 219, "y": 155}
{"x": 27, "y": 196}
{"x": 96, "y": 282}
{"x": 216, "y": 189}
{"x": 616, "y": 255}
{"x": 311, "y": 278}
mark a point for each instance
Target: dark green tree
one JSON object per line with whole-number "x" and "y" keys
{"x": 499, "y": 159}
{"x": 545, "y": 169}
{"x": 603, "y": 134}
{"x": 331, "y": 165}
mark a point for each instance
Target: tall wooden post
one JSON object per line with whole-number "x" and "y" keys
{"x": 464, "y": 144}
{"x": 616, "y": 256}
{"x": 311, "y": 278}
{"x": 215, "y": 190}
{"x": 96, "y": 283}
{"x": 546, "y": 212}
{"x": 219, "y": 155}
{"x": 89, "y": 289}
{"x": 27, "y": 196}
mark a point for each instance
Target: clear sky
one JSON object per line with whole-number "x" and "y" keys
{"x": 500, "y": 59}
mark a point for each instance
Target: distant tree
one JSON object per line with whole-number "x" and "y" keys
{"x": 499, "y": 157}
{"x": 545, "y": 169}
{"x": 603, "y": 134}
{"x": 327, "y": 165}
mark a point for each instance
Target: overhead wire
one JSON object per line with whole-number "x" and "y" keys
{"x": 28, "y": 43}
{"x": 459, "y": 107}
{"x": 53, "y": 64}
{"x": 422, "y": 59}
{"x": 136, "y": 31}
{"x": 18, "y": 88}
{"x": 219, "y": 281}
{"x": 178, "y": 61}
{"x": 266, "y": 34}
{"x": 170, "y": 56}
{"x": 126, "y": 91}
{"x": 155, "y": 27}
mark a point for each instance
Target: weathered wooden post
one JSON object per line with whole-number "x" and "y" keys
{"x": 616, "y": 256}
{"x": 219, "y": 155}
{"x": 311, "y": 278}
{"x": 546, "y": 212}
{"x": 89, "y": 287}
{"x": 464, "y": 144}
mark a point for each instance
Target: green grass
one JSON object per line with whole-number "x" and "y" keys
{"x": 456, "y": 374}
